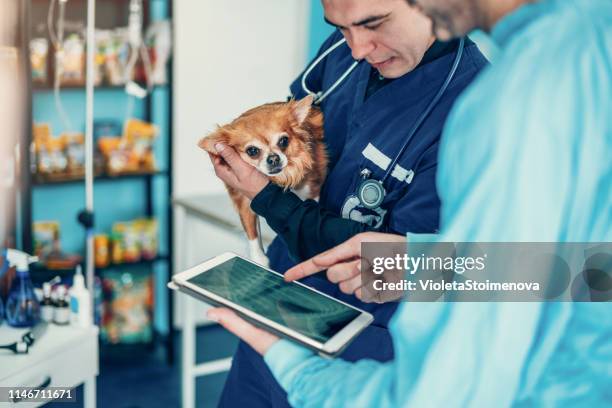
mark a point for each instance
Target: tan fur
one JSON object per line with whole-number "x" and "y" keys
{"x": 306, "y": 157}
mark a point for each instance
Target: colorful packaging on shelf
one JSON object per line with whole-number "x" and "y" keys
{"x": 48, "y": 249}
{"x": 41, "y": 134}
{"x": 148, "y": 238}
{"x": 128, "y": 305}
{"x": 116, "y": 247}
{"x": 71, "y": 61}
{"x": 117, "y": 56}
{"x": 103, "y": 43}
{"x": 111, "y": 56}
{"x": 39, "y": 52}
{"x": 46, "y": 239}
{"x": 114, "y": 153}
{"x": 74, "y": 146}
{"x": 65, "y": 154}
{"x": 52, "y": 157}
{"x": 140, "y": 136}
{"x": 130, "y": 240}
{"x": 101, "y": 251}
{"x": 159, "y": 40}
{"x": 135, "y": 240}
{"x": 133, "y": 152}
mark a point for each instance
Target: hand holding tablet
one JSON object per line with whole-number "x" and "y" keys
{"x": 262, "y": 297}
{"x": 259, "y": 339}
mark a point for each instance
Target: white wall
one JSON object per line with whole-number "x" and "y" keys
{"x": 229, "y": 55}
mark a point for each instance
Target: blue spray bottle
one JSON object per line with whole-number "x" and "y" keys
{"x": 22, "y": 307}
{"x": 3, "y": 269}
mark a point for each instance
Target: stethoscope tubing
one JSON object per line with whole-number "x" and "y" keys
{"x": 428, "y": 110}
{"x": 320, "y": 96}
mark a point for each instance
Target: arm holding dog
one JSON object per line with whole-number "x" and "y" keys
{"x": 308, "y": 228}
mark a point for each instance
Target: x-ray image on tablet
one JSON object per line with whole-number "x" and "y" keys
{"x": 303, "y": 313}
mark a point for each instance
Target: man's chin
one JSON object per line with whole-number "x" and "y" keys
{"x": 393, "y": 72}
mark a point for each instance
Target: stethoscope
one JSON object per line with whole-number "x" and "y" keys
{"x": 371, "y": 192}
{"x": 320, "y": 96}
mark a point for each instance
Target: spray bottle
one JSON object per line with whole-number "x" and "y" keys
{"x": 3, "y": 268}
{"x": 80, "y": 301}
{"x": 22, "y": 308}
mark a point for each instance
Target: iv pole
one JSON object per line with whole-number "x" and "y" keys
{"x": 86, "y": 217}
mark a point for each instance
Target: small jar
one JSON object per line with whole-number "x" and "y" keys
{"x": 61, "y": 314}
{"x": 101, "y": 251}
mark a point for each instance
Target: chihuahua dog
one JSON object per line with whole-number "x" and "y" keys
{"x": 284, "y": 141}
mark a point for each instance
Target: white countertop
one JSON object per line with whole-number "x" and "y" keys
{"x": 54, "y": 340}
{"x": 219, "y": 209}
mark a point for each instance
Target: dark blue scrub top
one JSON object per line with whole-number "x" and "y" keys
{"x": 383, "y": 121}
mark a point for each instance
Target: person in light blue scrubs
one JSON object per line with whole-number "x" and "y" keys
{"x": 525, "y": 156}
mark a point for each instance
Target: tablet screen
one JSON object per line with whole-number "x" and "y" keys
{"x": 268, "y": 295}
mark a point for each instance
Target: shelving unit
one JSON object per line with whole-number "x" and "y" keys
{"x": 43, "y": 274}
{"x": 73, "y": 349}
{"x": 39, "y": 180}
{"x": 48, "y": 88}
{"x": 155, "y": 187}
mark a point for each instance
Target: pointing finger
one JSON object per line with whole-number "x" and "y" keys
{"x": 343, "y": 252}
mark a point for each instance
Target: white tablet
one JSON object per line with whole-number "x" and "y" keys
{"x": 261, "y": 296}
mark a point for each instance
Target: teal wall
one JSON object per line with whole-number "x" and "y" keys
{"x": 319, "y": 30}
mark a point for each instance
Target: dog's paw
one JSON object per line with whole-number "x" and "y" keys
{"x": 256, "y": 254}
{"x": 260, "y": 259}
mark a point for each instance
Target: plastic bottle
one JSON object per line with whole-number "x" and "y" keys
{"x": 61, "y": 314}
{"x": 80, "y": 301}
{"x": 46, "y": 306}
{"x": 4, "y": 265}
{"x": 22, "y": 308}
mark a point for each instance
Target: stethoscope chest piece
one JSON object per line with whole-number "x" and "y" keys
{"x": 371, "y": 193}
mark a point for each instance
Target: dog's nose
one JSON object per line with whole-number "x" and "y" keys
{"x": 273, "y": 160}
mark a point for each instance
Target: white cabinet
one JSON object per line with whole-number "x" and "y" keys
{"x": 64, "y": 356}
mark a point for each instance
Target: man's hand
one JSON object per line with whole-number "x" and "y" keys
{"x": 237, "y": 173}
{"x": 255, "y": 337}
{"x": 343, "y": 262}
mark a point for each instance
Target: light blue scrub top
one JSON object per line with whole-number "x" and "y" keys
{"x": 526, "y": 156}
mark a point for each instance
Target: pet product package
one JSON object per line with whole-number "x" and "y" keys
{"x": 127, "y": 310}
{"x": 74, "y": 146}
{"x": 71, "y": 61}
{"x": 46, "y": 239}
{"x": 39, "y": 52}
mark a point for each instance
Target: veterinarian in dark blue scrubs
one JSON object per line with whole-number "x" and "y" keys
{"x": 367, "y": 120}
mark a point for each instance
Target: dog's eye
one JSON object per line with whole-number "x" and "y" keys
{"x": 252, "y": 151}
{"x": 283, "y": 142}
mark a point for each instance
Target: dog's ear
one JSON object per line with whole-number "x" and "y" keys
{"x": 301, "y": 108}
{"x": 218, "y": 136}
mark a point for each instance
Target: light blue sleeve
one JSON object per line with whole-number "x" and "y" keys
{"x": 461, "y": 360}
{"x": 313, "y": 381}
